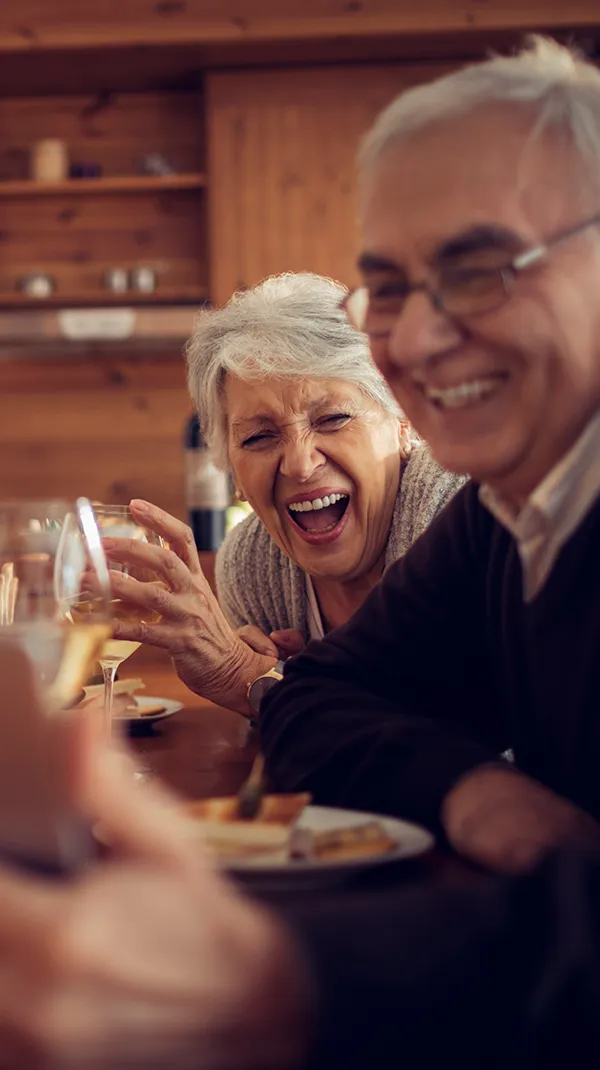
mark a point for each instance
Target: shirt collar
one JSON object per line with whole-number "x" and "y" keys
{"x": 562, "y": 499}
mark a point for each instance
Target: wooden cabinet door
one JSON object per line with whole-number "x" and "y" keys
{"x": 282, "y": 147}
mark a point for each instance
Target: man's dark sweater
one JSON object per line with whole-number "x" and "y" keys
{"x": 443, "y": 668}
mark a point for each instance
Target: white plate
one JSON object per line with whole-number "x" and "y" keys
{"x": 411, "y": 840}
{"x": 170, "y": 707}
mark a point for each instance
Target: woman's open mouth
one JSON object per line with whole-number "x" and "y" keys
{"x": 320, "y": 519}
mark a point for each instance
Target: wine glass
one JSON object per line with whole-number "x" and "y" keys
{"x": 117, "y": 522}
{"x": 54, "y": 593}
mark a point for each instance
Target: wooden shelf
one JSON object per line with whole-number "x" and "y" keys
{"x": 156, "y": 328}
{"x": 190, "y": 295}
{"x": 111, "y": 184}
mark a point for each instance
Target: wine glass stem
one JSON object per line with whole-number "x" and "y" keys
{"x": 109, "y": 671}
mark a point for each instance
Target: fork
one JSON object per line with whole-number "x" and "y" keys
{"x": 250, "y": 795}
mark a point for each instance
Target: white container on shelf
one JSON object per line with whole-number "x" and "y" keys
{"x": 49, "y": 160}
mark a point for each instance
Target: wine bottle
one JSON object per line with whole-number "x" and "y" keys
{"x": 207, "y": 490}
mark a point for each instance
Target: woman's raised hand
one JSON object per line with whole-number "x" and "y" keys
{"x": 209, "y": 657}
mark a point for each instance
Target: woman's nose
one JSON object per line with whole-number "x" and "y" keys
{"x": 301, "y": 459}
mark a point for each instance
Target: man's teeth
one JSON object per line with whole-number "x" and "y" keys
{"x": 317, "y": 503}
{"x": 454, "y": 397}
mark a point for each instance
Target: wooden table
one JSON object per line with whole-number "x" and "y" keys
{"x": 205, "y": 750}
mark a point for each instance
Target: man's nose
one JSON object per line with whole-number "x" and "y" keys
{"x": 421, "y": 331}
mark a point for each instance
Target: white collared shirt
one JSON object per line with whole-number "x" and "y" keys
{"x": 554, "y": 510}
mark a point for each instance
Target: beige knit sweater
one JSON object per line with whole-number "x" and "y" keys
{"x": 258, "y": 584}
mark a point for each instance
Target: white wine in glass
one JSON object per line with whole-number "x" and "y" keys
{"x": 50, "y": 553}
{"x": 116, "y": 522}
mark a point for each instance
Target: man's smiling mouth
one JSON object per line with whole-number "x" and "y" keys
{"x": 468, "y": 393}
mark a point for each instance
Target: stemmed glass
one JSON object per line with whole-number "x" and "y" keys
{"x": 54, "y": 593}
{"x": 117, "y": 522}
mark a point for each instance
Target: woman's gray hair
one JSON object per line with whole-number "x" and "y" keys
{"x": 288, "y": 327}
{"x": 559, "y": 85}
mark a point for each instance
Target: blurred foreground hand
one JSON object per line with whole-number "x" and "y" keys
{"x": 149, "y": 959}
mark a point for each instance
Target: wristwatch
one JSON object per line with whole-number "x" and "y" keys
{"x": 259, "y": 687}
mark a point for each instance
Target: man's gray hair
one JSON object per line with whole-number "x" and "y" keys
{"x": 288, "y": 327}
{"x": 561, "y": 88}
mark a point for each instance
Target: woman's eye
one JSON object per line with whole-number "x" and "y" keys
{"x": 258, "y": 439}
{"x": 333, "y": 422}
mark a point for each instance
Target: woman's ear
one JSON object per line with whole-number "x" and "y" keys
{"x": 405, "y": 439}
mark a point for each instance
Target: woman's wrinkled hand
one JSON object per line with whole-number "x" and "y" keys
{"x": 280, "y": 644}
{"x": 188, "y": 622}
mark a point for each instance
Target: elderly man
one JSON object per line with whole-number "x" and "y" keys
{"x": 481, "y": 298}
{"x": 482, "y": 277}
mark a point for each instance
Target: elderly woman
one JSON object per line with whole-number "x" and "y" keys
{"x": 290, "y": 400}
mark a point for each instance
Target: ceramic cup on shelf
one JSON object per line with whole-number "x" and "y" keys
{"x": 49, "y": 161}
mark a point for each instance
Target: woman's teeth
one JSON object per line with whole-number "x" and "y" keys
{"x": 455, "y": 397}
{"x": 316, "y": 503}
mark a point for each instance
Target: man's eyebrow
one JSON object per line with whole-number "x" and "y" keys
{"x": 473, "y": 239}
{"x": 477, "y": 239}
{"x": 371, "y": 262}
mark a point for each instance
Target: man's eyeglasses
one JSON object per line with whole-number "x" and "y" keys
{"x": 461, "y": 291}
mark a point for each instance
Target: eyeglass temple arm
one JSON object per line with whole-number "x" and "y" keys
{"x": 531, "y": 256}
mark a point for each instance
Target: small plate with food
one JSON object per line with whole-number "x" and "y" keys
{"x": 147, "y": 709}
{"x": 131, "y": 710}
{"x": 292, "y": 844}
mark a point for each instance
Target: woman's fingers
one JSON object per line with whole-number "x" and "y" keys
{"x": 155, "y": 559}
{"x": 178, "y": 535}
{"x": 135, "y": 597}
{"x": 257, "y": 640}
{"x": 289, "y": 641}
{"x": 171, "y": 637}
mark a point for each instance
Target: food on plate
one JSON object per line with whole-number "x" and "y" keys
{"x": 266, "y": 839}
{"x": 274, "y": 835}
{"x": 359, "y": 841}
{"x": 125, "y": 704}
{"x": 247, "y": 841}
{"x": 281, "y": 809}
{"x": 133, "y": 709}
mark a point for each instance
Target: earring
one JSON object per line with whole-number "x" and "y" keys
{"x": 239, "y": 495}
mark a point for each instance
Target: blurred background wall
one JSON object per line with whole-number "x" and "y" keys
{"x": 155, "y": 156}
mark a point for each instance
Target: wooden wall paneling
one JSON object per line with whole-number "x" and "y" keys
{"x": 69, "y": 23}
{"x": 282, "y": 149}
{"x": 111, "y": 129}
{"x": 180, "y": 66}
{"x": 77, "y": 238}
{"x": 110, "y": 429}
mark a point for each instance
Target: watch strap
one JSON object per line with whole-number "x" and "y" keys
{"x": 263, "y": 684}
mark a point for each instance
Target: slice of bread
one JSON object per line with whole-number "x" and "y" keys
{"x": 360, "y": 841}
{"x": 277, "y": 809}
{"x": 244, "y": 841}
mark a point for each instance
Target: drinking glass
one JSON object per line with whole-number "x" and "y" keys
{"x": 54, "y": 593}
{"x": 116, "y": 522}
